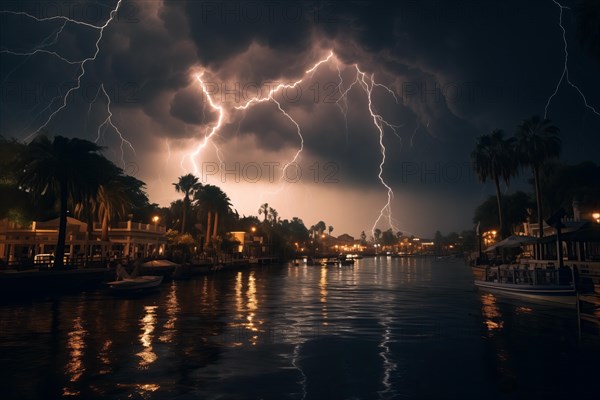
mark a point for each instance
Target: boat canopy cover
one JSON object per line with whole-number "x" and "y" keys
{"x": 512, "y": 241}
{"x": 159, "y": 263}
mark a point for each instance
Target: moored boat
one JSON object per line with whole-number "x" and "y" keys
{"x": 139, "y": 283}
{"x": 548, "y": 285}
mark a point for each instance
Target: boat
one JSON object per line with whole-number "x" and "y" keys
{"x": 547, "y": 285}
{"x": 345, "y": 260}
{"x": 139, "y": 283}
{"x": 164, "y": 268}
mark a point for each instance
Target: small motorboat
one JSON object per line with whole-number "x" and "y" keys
{"x": 139, "y": 283}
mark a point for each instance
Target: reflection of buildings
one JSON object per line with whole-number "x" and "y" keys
{"x": 126, "y": 238}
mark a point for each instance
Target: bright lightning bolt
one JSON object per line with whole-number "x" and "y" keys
{"x": 565, "y": 72}
{"x": 379, "y": 123}
{"x": 367, "y": 83}
{"x": 41, "y": 49}
{"x": 271, "y": 97}
{"x": 214, "y": 129}
{"x": 43, "y": 44}
{"x": 108, "y": 122}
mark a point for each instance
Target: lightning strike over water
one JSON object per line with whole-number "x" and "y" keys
{"x": 379, "y": 123}
{"x": 564, "y": 77}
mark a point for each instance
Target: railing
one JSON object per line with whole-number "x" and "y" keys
{"x": 132, "y": 226}
{"x": 526, "y": 275}
{"x": 46, "y": 262}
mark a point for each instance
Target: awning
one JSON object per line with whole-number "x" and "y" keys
{"x": 588, "y": 232}
{"x": 512, "y": 241}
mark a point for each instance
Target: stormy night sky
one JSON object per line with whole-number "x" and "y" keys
{"x": 436, "y": 74}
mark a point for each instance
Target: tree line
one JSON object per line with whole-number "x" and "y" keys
{"x": 535, "y": 146}
{"x": 56, "y": 176}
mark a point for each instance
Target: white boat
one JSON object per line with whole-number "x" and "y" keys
{"x": 533, "y": 284}
{"x": 562, "y": 294}
{"x": 135, "y": 284}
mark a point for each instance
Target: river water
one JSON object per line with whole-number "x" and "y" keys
{"x": 401, "y": 328}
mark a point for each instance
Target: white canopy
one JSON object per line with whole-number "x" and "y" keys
{"x": 159, "y": 263}
{"x": 512, "y": 241}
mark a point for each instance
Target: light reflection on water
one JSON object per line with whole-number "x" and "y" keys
{"x": 148, "y": 322}
{"x": 381, "y": 329}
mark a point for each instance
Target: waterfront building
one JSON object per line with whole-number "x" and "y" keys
{"x": 23, "y": 242}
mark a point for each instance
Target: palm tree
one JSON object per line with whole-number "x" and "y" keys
{"x": 264, "y": 209}
{"x": 88, "y": 207}
{"x": 115, "y": 198}
{"x": 494, "y": 158}
{"x": 273, "y": 215}
{"x": 188, "y": 185}
{"x": 536, "y": 143}
{"x": 330, "y": 229}
{"x": 321, "y": 226}
{"x": 213, "y": 200}
{"x": 376, "y": 235}
{"x": 66, "y": 168}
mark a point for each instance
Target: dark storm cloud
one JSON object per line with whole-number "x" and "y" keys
{"x": 223, "y": 29}
{"x": 458, "y": 68}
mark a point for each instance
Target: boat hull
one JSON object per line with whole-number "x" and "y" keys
{"x": 565, "y": 295}
{"x": 135, "y": 284}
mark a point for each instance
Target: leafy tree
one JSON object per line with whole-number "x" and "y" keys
{"x": 494, "y": 158}
{"x": 210, "y": 199}
{"x": 537, "y": 142}
{"x": 69, "y": 169}
{"x": 264, "y": 209}
{"x": 188, "y": 185}
{"x": 116, "y": 197}
{"x": 377, "y": 234}
{"x": 320, "y": 227}
{"x": 14, "y": 202}
{"x": 388, "y": 238}
{"x": 515, "y": 206}
{"x": 564, "y": 184}
{"x": 363, "y": 238}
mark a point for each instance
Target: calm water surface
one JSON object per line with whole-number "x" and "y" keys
{"x": 383, "y": 329}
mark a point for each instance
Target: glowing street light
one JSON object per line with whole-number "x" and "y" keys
{"x": 155, "y": 220}
{"x": 596, "y": 216}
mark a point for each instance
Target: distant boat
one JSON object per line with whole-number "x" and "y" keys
{"x": 140, "y": 283}
{"x": 347, "y": 262}
{"x": 533, "y": 284}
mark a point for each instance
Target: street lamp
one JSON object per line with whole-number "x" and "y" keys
{"x": 155, "y": 220}
{"x": 596, "y": 216}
